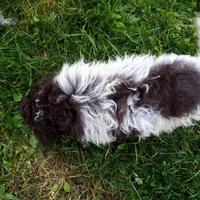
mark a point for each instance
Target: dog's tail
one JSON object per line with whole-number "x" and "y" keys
{"x": 198, "y": 34}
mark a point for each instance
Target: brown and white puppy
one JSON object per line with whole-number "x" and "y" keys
{"x": 99, "y": 102}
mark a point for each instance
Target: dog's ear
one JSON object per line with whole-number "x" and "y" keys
{"x": 45, "y": 133}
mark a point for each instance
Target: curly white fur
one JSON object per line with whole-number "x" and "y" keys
{"x": 90, "y": 84}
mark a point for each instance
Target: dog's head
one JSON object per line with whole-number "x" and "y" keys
{"x": 50, "y": 112}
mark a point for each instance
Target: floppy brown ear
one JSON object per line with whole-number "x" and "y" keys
{"x": 46, "y": 134}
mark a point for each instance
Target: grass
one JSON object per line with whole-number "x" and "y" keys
{"x": 51, "y": 32}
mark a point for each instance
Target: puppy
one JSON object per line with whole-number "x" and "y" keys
{"x": 100, "y": 102}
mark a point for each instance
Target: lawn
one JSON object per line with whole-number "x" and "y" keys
{"x": 51, "y": 32}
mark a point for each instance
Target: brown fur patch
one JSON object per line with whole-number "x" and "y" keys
{"x": 176, "y": 92}
{"x": 120, "y": 98}
{"x": 123, "y": 91}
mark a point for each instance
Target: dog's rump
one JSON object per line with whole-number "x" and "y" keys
{"x": 174, "y": 89}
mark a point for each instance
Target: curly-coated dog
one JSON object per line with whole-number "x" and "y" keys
{"x": 99, "y": 102}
